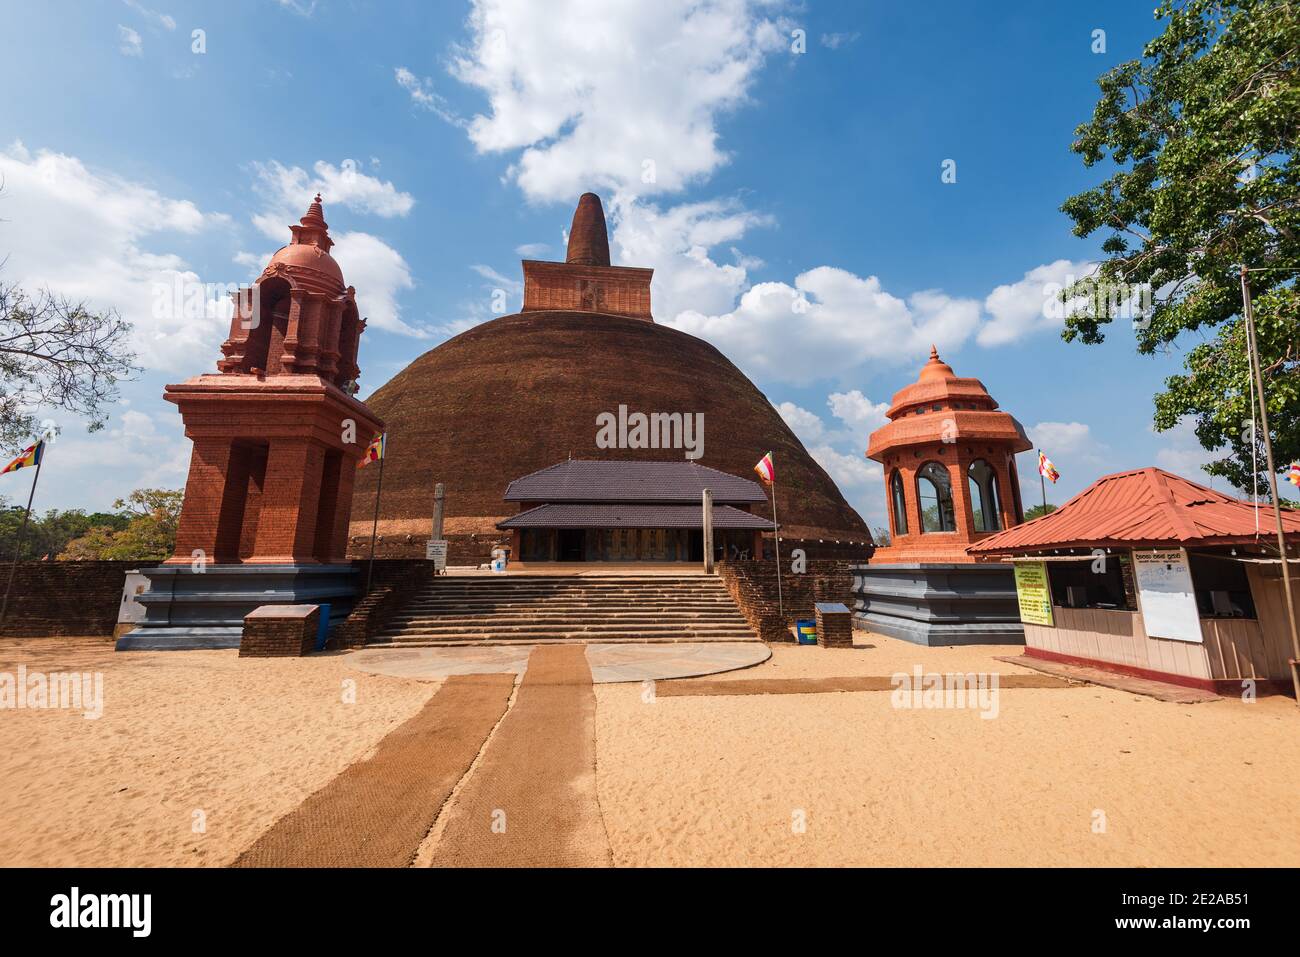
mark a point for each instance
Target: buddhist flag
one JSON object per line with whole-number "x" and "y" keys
{"x": 29, "y": 456}
{"x": 1293, "y": 474}
{"x": 1046, "y": 468}
{"x": 766, "y": 469}
{"x": 374, "y": 451}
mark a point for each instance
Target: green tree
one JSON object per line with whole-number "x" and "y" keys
{"x": 56, "y": 353}
{"x": 1038, "y": 511}
{"x": 147, "y": 529}
{"x": 47, "y": 535}
{"x": 1202, "y": 133}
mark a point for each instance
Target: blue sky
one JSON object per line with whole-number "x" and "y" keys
{"x": 452, "y": 139}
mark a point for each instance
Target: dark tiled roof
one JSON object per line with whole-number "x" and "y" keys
{"x": 1144, "y": 508}
{"x": 586, "y": 481}
{"x": 587, "y": 515}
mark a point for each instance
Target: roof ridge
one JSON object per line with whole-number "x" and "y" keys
{"x": 1158, "y": 480}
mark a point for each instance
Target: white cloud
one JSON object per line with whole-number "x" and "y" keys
{"x": 131, "y": 44}
{"x": 164, "y": 20}
{"x": 806, "y": 425}
{"x": 677, "y": 243}
{"x": 379, "y": 274}
{"x": 592, "y": 91}
{"x": 1061, "y": 440}
{"x": 497, "y": 280}
{"x": 1030, "y": 305}
{"x": 288, "y": 190}
{"x": 841, "y": 450}
{"x": 829, "y": 322}
{"x": 85, "y": 234}
{"x": 378, "y": 271}
{"x": 533, "y": 250}
{"x": 303, "y": 8}
{"x": 833, "y": 41}
{"x": 858, "y": 413}
{"x": 425, "y": 96}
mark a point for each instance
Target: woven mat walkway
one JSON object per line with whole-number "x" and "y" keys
{"x": 377, "y": 812}
{"x": 531, "y": 800}
{"x": 747, "y": 686}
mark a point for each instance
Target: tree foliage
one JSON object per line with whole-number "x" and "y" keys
{"x": 147, "y": 531}
{"x": 1038, "y": 511}
{"x": 57, "y": 354}
{"x": 47, "y": 535}
{"x": 1202, "y": 133}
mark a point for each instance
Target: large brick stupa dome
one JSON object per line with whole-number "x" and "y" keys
{"x": 524, "y": 392}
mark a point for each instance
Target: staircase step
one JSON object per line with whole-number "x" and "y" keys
{"x": 558, "y": 609}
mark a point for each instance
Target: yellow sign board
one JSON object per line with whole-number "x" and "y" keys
{"x": 1034, "y": 593}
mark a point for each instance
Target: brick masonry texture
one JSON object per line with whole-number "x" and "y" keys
{"x": 753, "y": 587}
{"x": 65, "y": 598}
{"x": 394, "y": 583}
{"x": 835, "y": 629}
{"x": 522, "y": 392}
{"x": 279, "y": 636}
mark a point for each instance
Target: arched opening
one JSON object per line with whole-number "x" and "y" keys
{"x": 273, "y": 307}
{"x": 985, "y": 508}
{"x": 934, "y": 494}
{"x": 899, "y": 501}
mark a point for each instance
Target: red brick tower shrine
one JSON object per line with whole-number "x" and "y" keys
{"x": 277, "y": 436}
{"x": 949, "y": 457}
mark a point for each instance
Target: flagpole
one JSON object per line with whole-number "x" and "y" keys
{"x": 1042, "y": 480}
{"x": 1252, "y": 355}
{"x": 374, "y": 525}
{"x": 776, "y": 541}
{"x": 22, "y": 533}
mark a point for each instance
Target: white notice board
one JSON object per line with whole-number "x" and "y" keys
{"x": 1166, "y": 596}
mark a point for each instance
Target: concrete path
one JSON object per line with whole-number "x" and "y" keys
{"x": 609, "y": 662}
{"x": 531, "y": 801}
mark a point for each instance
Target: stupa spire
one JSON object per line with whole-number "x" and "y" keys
{"x": 312, "y": 228}
{"x": 588, "y": 238}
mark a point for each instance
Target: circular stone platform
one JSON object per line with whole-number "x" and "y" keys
{"x": 609, "y": 662}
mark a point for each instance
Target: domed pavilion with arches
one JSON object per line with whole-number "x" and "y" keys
{"x": 949, "y": 458}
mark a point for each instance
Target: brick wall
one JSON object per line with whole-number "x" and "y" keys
{"x": 64, "y": 598}
{"x": 393, "y": 584}
{"x": 468, "y": 549}
{"x": 753, "y": 587}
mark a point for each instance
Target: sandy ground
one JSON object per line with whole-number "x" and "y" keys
{"x": 846, "y": 779}
{"x": 241, "y": 740}
{"x": 765, "y": 780}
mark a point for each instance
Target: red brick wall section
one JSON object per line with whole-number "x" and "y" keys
{"x": 64, "y": 598}
{"x": 753, "y": 587}
{"x": 461, "y": 549}
{"x": 394, "y": 583}
{"x": 280, "y": 631}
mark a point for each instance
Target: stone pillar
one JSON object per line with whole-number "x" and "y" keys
{"x": 706, "y": 519}
{"x": 286, "y": 532}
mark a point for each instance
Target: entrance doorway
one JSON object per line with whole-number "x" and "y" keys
{"x": 570, "y": 543}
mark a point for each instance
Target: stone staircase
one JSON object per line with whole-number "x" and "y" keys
{"x": 568, "y": 608}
